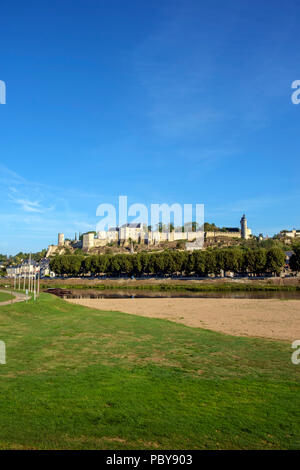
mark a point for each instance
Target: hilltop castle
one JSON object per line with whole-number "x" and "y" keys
{"x": 139, "y": 233}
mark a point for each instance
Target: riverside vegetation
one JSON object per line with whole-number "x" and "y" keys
{"x": 200, "y": 262}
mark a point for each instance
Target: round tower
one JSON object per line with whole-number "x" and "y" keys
{"x": 244, "y": 230}
{"x": 61, "y": 239}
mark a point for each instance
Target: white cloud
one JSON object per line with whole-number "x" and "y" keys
{"x": 28, "y": 206}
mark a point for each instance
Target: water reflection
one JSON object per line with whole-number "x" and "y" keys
{"x": 145, "y": 294}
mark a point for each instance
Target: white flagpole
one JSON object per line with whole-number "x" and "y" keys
{"x": 34, "y": 286}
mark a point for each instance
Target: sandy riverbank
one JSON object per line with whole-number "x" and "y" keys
{"x": 274, "y": 319}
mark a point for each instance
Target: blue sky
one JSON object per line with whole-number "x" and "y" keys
{"x": 162, "y": 101}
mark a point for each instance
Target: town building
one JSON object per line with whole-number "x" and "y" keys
{"x": 290, "y": 233}
{"x": 30, "y": 268}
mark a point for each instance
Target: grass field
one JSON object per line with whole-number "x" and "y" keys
{"x": 216, "y": 285}
{"x": 5, "y": 296}
{"x": 212, "y": 287}
{"x": 271, "y": 284}
{"x": 78, "y": 378}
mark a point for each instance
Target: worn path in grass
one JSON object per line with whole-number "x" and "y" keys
{"x": 262, "y": 318}
{"x": 80, "y": 378}
{"x": 6, "y": 298}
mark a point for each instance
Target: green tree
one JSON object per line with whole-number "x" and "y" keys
{"x": 275, "y": 260}
{"x": 199, "y": 262}
{"x": 210, "y": 227}
{"x": 211, "y": 266}
{"x": 260, "y": 260}
{"x": 295, "y": 259}
{"x": 159, "y": 264}
{"x": 56, "y": 265}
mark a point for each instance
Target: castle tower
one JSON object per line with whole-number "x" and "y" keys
{"x": 244, "y": 230}
{"x": 88, "y": 241}
{"x": 61, "y": 239}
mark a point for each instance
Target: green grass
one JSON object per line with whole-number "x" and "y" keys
{"x": 5, "y": 296}
{"x": 78, "y": 378}
{"x": 205, "y": 287}
{"x": 219, "y": 287}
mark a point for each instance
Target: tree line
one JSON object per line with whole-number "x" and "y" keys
{"x": 199, "y": 262}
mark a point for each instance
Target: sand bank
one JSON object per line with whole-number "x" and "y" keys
{"x": 269, "y": 318}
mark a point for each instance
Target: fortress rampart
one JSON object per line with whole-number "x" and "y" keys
{"x": 129, "y": 233}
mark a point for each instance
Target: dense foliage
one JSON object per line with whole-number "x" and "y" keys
{"x": 198, "y": 262}
{"x": 295, "y": 259}
{"x": 21, "y": 256}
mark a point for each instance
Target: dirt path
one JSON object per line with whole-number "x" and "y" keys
{"x": 18, "y": 297}
{"x": 276, "y": 319}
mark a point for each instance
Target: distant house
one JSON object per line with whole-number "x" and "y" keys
{"x": 30, "y": 267}
{"x": 290, "y": 233}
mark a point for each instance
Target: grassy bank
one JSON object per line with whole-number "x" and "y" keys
{"x": 82, "y": 378}
{"x": 4, "y": 296}
{"x": 217, "y": 287}
{"x": 169, "y": 284}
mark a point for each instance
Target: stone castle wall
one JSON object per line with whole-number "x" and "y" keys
{"x": 127, "y": 234}
{"x": 223, "y": 234}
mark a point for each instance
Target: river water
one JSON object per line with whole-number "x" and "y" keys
{"x": 145, "y": 294}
